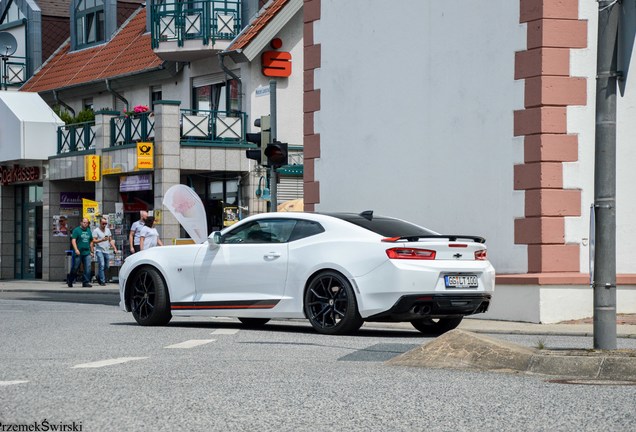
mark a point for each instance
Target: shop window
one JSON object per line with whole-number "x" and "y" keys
{"x": 89, "y": 23}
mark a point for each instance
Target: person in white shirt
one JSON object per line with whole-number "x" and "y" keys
{"x": 135, "y": 230}
{"x": 103, "y": 241}
{"x": 149, "y": 236}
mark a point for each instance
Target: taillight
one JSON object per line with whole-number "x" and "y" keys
{"x": 481, "y": 255}
{"x": 410, "y": 253}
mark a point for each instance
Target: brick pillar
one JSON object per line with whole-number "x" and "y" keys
{"x": 167, "y": 163}
{"x": 311, "y": 105}
{"x": 553, "y": 29}
{"x": 106, "y": 190}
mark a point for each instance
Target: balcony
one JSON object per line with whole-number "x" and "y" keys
{"x": 75, "y": 137}
{"x": 133, "y": 128}
{"x": 13, "y": 72}
{"x": 189, "y": 30}
{"x": 213, "y": 128}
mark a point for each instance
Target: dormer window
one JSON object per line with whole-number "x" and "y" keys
{"x": 89, "y": 22}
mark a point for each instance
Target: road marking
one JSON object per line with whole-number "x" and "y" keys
{"x": 225, "y": 331}
{"x": 109, "y": 362}
{"x": 8, "y": 383}
{"x": 191, "y": 343}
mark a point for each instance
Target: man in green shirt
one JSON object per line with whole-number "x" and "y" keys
{"x": 82, "y": 241}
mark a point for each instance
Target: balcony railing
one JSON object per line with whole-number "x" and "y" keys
{"x": 207, "y": 20}
{"x": 199, "y": 127}
{"x": 13, "y": 72}
{"x": 130, "y": 129}
{"x": 75, "y": 137}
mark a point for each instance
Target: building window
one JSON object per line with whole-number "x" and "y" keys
{"x": 223, "y": 96}
{"x": 87, "y": 104}
{"x": 155, "y": 95}
{"x": 89, "y": 22}
{"x": 12, "y": 14}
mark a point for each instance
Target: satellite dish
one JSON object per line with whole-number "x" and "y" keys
{"x": 8, "y": 44}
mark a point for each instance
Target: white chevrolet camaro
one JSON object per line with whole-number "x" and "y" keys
{"x": 337, "y": 270}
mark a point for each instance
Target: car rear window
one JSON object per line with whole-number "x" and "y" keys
{"x": 384, "y": 226}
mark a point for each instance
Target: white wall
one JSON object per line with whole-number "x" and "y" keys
{"x": 421, "y": 95}
{"x": 289, "y": 91}
{"x": 581, "y": 121}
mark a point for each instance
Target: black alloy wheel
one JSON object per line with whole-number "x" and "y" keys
{"x": 254, "y": 322}
{"x": 330, "y": 304}
{"x": 149, "y": 298}
{"x": 432, "y": 326}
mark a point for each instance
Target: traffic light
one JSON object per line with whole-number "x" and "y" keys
{"x": 261, "y": 139}
{"x": 276, "y": 154}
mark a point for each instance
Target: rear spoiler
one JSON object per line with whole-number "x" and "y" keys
{"x": 449, "y": 237}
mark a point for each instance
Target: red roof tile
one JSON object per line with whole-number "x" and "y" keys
{"x": 257, "y": 25}
{"x": 128, "y": 52}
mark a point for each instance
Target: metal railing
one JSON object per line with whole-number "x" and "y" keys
{"x": 75, "y": 137}
{"x": 213, "y": 127}
{"x": 13, "y": 72}
{"x": 207, "y": 20}
{"x": 130, "y": 129}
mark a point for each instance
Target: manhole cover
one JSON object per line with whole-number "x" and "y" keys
{"x": 593, "y": 382}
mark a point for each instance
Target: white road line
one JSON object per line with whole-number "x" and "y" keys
{"x": 109, "y": 362}
{"x": 191, "y": 343}
{"x": 225, "y": 331}
{"x": 8, "y": 383}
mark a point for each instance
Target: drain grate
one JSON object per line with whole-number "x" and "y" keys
{"x": 599, "y": 382}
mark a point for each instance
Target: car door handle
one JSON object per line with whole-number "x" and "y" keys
{"x": 272, "y": 255}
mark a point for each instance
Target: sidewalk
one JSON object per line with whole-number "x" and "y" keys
{"x": 625, "y": 327}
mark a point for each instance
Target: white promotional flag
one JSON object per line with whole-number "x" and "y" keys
{"x": 187, "y": 207}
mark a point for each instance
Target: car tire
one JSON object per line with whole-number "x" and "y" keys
{"x": 430, "y": 326}
{"x": 330, "y": 304}
{"x": 254, "y": 322}
{"x": 149, "y": 300}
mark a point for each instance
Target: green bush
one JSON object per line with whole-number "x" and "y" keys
{"x": 85, "y": 115}
{"x": 64, "y": 115}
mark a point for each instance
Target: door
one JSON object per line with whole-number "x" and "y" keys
{"x": 28, "y": 234}
{"x": 249, "y": 266}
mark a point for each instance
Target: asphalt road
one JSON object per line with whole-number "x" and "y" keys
{"x": 91, "y": 364}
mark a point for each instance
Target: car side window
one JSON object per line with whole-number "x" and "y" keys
{"x": 304, "y": 229}
{"x": 262, "y": 231}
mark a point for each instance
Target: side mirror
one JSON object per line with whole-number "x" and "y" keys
{"x": 214, "y": 240}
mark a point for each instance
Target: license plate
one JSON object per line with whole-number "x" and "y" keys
{"x": 461, "y": 281}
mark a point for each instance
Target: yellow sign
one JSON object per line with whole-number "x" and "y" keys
{"x": 92, "y": 167}
{"x": 90, "y": 209}
{"x": 145, "y": 153}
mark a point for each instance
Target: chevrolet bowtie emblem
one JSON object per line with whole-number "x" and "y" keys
{"x": 457, "y": 255}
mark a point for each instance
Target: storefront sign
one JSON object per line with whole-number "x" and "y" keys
{"x": 74, "y": 199}
{"x": 135, "y": 183}
{"x": 145, "y": 155}
{"x": 92, "y": 167}
{"x": 18, "y": 174}
{"x": 90, "y": 209}
{"x": 276, "y": 63}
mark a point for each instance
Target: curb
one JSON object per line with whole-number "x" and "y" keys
{"x": 459, "y": 349}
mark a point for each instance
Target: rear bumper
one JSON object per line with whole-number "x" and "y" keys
{"x": 412, "y": 307}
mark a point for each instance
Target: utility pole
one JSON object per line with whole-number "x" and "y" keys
{"x": 273, "y": 178}
{"x": 604, "y": 283}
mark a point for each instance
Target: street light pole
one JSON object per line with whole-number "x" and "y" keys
{"x": 604, "y": 283}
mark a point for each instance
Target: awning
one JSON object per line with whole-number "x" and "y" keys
{"x": 29, "y": 127}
